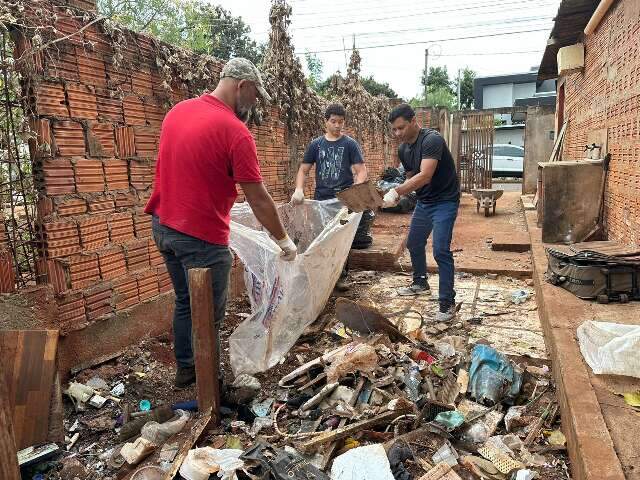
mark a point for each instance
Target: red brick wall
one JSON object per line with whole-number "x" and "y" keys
{"x": 607, "y": 95}
{"x": 97, "y": 139}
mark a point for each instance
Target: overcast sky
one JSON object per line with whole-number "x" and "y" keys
{"x": 327, "y": 27}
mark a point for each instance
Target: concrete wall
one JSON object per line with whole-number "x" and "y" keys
{"x": 98, "y": 127}
{"x": 606, "y": 95}
{"x": 538, "y": 143}
{"x": 514, "y": 136}
{"x": 524, "y": 90}
{"x": 497, "y": 96}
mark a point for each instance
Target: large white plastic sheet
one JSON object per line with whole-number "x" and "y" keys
{"x": 286, "y": 297}
{"x": 611, "y": 348}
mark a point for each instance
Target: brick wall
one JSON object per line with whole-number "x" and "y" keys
{"x": 607, "y": 95}
{"x": 94, "y": 156}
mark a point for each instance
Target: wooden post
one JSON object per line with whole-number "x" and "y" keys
{"x": 9, "y": 469}
{"x": 205, "y": 341}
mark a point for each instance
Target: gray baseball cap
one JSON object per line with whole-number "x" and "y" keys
{"x": 243, "y": 69}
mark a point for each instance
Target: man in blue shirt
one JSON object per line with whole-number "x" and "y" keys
{"x": 431, "y": 173}
{"x": 336, "y": 156}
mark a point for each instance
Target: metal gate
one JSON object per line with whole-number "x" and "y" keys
{"x": 474, "y": 160}
{"x": 17, "y": 192}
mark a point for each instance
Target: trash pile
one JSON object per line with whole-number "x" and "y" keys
{"x": 392, "y": 178}
{"x": 377, "y": 403}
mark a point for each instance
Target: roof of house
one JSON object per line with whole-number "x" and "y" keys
{"x": 568, "y": 27}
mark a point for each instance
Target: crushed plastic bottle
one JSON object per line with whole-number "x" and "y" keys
{"x": 412, "y": 383}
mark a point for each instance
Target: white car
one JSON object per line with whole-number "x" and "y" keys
{"x": 507, "y": 160}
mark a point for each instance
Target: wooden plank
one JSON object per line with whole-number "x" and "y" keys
{"x": 197, "y": 430}
{"x": 9, "y": 469}
{"x": 344, "y": 432}
{"x": 30, "y": 359}
{"x": 205, "y": 344}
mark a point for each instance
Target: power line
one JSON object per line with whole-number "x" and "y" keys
{"x": 422, "y": 42}
{"x": 414, "y": 14}
{"x": 482, "y": 26}
{"x": 443, "y": 27}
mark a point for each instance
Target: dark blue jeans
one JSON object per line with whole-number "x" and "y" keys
{"x": 438, "y": 218}
{"x": 182, "y": 252}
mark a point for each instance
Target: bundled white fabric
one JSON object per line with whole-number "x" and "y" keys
{"x": 611, "y": 348}
{"x": 286, "y": 297}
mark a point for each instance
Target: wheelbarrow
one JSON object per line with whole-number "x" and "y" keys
{"x": 486, "y": 198}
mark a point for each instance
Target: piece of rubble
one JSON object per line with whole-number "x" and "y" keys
{"x": 441, "y": 471}
{"x": 446, "y": 454}
{"x": 72, "y": 468}
{"x": 157, "y": 433}
{"x": 360, "y": 357}
{"x": 97, "y": 383}
{"x": 362, "y": 463}
{"x": 245, "y": 388}
{"x": 318, "y": 397}
{"x": 97, "y": 401}
{"x": 263, "y": 460}
{"x": 135, "y": 452}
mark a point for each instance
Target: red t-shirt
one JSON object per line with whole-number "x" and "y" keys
{"x": 204, "y": 150}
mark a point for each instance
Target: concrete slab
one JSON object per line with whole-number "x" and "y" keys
{"x": 511, "y": 242}
{"x": 601, "y": 429}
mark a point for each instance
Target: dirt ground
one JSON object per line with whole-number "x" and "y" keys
{"x": 488, "y": 314}
{"x": 472, "y": 237}
{"x": 147, "y": 370}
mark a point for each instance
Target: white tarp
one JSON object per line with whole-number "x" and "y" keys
{"x": 286, "y": 297}
{"x": 611, "y": 348}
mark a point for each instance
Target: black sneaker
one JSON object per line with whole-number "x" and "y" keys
{"x": 185, "y": 376}
{"x": 414, "y": 289}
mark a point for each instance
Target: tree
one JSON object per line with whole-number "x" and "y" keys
{"x": 466, "y": 88}
{"x": 438, "y": 79}
{"x": 376, "y": 88}
{"x": 370, "y": 84}
{"x": 440, "y": 97}
{"x": 192, "y": 24}
{"x": 314, "y": 66}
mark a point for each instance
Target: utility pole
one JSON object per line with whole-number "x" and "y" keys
{"x": 426, "y": 74}
{"x": 459, "y": 106}
{"x": 344, "y": 49}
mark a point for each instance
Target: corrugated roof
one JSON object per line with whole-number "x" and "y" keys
{"x": 572, "y": 17}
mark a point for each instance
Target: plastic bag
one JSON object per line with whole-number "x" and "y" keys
{"x": 158, "y": 433}
{"x": 611, "y": 348}
{"x": 286, "y": 297}
{"x": 493, "y": 377}
{"x": 201, "y": 462}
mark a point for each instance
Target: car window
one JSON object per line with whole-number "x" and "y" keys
{"x": 499, "y": 151}
{"x": 514, "y": 152}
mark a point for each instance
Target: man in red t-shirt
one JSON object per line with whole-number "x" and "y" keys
{"x": 205, "y": 150}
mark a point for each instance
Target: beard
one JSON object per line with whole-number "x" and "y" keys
{"x": 243, "y": 113}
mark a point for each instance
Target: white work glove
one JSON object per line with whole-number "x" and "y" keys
{"x": 390, "y": 199}
{"x": 289, "y": 249}
{"x": 298, "y": 197}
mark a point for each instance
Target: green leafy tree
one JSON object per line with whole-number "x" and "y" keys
{"x": 438, "y": 79}
{"x": 376, "y": 88}
{"x": 466, "y": 88}
{"x": 192, "y": 24}
{"x": 314, "y": 66}
{"x": 440, "y": 97}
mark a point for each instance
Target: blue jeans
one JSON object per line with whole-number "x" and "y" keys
{"x": 182, "y": 252}
{"x": 438, "y": 218}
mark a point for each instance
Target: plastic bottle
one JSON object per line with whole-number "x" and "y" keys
{"x": 412, "y": 383}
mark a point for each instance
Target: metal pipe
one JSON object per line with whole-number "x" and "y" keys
{"x": 596, "y": 18}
